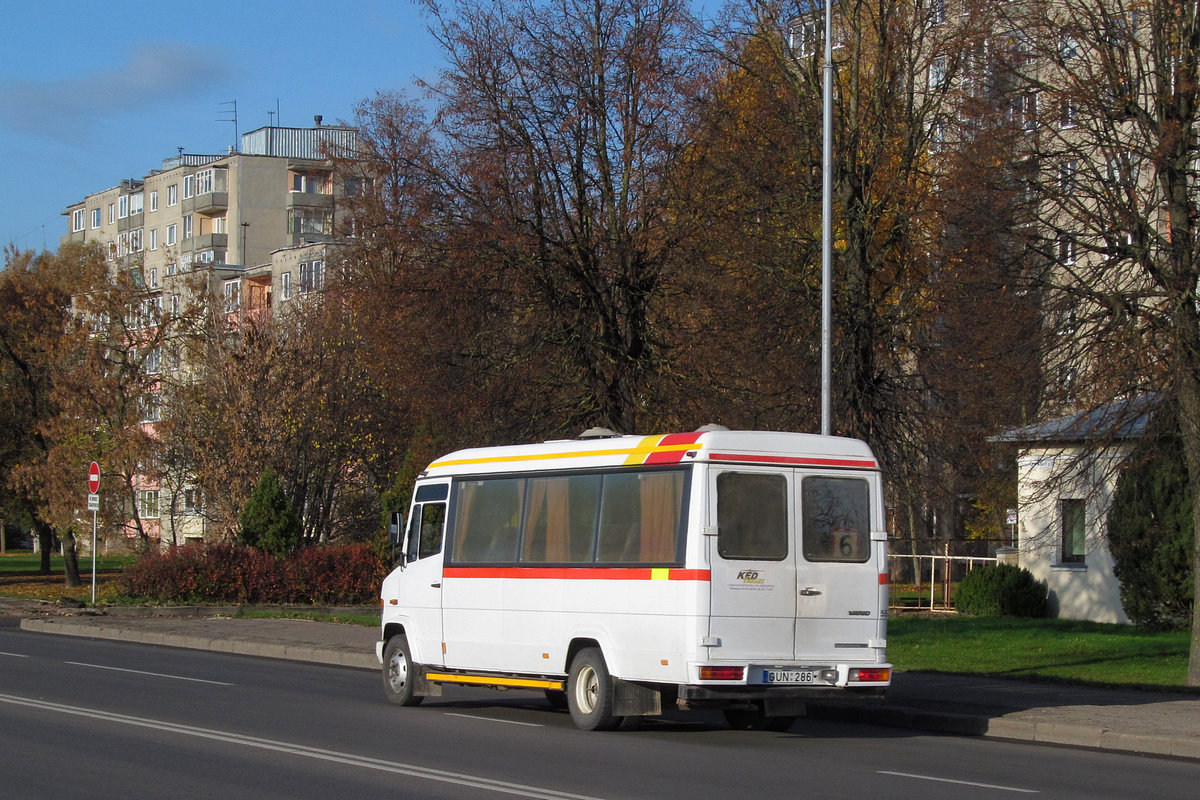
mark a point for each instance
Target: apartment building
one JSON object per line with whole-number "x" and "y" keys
{"x": 251, "y": 228}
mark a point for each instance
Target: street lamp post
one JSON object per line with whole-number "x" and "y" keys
{"x": 827, "y": 230}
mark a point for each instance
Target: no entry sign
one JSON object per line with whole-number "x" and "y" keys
{"x": 94, "y": 478}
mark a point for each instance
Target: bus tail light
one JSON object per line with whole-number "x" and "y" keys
{"x": 870, "y": 675}
{"x": 722, "y": 673}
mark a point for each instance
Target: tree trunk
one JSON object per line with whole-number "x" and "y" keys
{"x": 70, "y": 559}
{"x": 45, "y": 544}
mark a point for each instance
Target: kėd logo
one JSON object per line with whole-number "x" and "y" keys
{"x": 749, "y": 576}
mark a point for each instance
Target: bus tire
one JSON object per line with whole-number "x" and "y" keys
{"x": 590, "y": 692}
{"x": 400, "y": 673}
{"x": 755, "y": 719}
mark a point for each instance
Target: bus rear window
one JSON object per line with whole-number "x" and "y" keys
{"x": 752, "y": 516}
{"x": 836, "y": 519}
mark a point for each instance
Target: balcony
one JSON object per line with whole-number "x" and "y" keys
{"x": 309, "y": 200}
{"x": 210, "y": 241}
{"x": 209, "y": 203}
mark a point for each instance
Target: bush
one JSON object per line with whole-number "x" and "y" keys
{"x": 1001, "y": 590}
{"x": 225, "y": 572}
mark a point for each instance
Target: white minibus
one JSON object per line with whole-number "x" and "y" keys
{"x": 740, "y": 570}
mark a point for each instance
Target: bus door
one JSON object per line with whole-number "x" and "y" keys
{"x": 752, "y": 563}
{"x": 837, "y": 568}
{"x": 795, "y": 574}
{"x": 420, "y": 588}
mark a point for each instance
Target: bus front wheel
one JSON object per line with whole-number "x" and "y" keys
{"x": 399, "y": 673}
{"x": 590, "y": 692}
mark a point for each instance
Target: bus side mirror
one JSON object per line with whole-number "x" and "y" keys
{"x": 396, "y": 533}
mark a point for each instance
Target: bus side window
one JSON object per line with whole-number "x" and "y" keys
{"x": 425, "y": 531}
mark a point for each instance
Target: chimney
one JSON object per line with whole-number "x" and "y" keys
{"x": 317, "y": 119}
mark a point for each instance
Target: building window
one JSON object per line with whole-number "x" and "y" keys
{"x": 135, "y": 203}
{"x": 312, "y": 276}
{"x": 154, "y": 201}
{"x": 189, "y": 186}
{"x": 191, "y": 501}
{"x": 1069, "y": 117}
{"x": 937, "y": 73}
{"x": 172, "y": 234}
{"x": 285, "y": 285}
{"x": 173, "y": 194}
{"x": 154, "y": 239}
{"x": 233, "y": 295}
{"x": 153, "y": 276}
{"x": 1066, "y": 177}
{"x": 310, "y": 184}
{"x": 187, "y": 226}
{"x": 123, "y": 206}
{"x": 218, "y": 225}
{"x": 78, "y": 219}
{"x": 1069, "y": 47}
{"x": 1073, "y": 516}
{"x": 112, "y": 213}
{"x": 204, "y": 181}
{"x": 309, "y": 221}
{"x": 148, "y": 503}
{"x": 95, "y": 218}
{"x": 1066, "y": 249}
{"x": 937, "y": 12}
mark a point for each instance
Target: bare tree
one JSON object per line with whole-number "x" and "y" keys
{"x": 1117, "y": 84}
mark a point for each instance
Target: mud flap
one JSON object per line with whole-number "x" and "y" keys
{"x": 635, "y": 699}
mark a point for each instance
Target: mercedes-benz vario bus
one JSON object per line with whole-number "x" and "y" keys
{"x": 742, "y": 570}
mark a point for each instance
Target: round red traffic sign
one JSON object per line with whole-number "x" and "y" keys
{"x": 94, "y": 478}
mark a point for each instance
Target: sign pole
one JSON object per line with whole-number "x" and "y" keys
{"x": 94, "y": 505}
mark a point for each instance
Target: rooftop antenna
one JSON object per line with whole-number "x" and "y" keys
{"x": 271, "y": 118}
{"x": 232, "y": 117}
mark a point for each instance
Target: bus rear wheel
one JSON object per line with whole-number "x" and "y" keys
{"x": 590, "y": 692}
{"x": 400, "y": 673}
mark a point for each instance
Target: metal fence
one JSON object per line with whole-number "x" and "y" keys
{"x": 934, "y": 565}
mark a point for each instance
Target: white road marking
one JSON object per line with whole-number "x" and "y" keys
{"x": 960, "y": 783}
{"x": 14, "y": 655}
{"x": 365, "y": 762}
{"x": 151, "y": 674}
{"x": 495, "y": 719}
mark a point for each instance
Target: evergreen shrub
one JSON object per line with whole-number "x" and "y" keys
{"x": 1001, "y": 590}
{"x": 1150, "y": 532}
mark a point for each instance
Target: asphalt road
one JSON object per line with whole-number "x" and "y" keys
{"x": 86, "y": 718}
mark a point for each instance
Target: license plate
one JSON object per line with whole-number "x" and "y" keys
{"x": 790, "y": 675}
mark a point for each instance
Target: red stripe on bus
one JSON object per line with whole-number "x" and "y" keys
{"x": 795, "y": 460}
{"x": 576, "y": 573}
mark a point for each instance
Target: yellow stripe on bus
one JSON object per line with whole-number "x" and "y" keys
{"x": 490, "y": 680}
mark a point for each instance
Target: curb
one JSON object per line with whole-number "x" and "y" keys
{"x": 245, "y": 647}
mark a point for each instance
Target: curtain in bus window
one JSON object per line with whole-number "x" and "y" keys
{"x": 661, "y": 497}
{"x": 560, "y": 520}
{"x": 487, "y": 517}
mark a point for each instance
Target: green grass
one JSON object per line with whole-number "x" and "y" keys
{"x": 1040, "y": 649}
{"x": 25, "y": 562}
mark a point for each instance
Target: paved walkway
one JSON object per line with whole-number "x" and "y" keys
{"x": 1159, "y": 723}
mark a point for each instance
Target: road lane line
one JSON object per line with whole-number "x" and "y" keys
{"x": 151, "y": 674}
{"x": 365, "y": 762}
{"x": 14, "y": 655}
{"x": 495, "y": 719}
{"x": 960, "y": 783}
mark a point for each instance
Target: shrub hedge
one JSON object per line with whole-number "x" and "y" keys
{"x": 1001, "y": 590}
{"x": 225, "y": 572}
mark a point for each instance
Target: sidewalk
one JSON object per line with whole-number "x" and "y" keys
{"x": 1158, "y": 723}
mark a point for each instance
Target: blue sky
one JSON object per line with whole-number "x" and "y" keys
{"x": 92, "y": 93}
